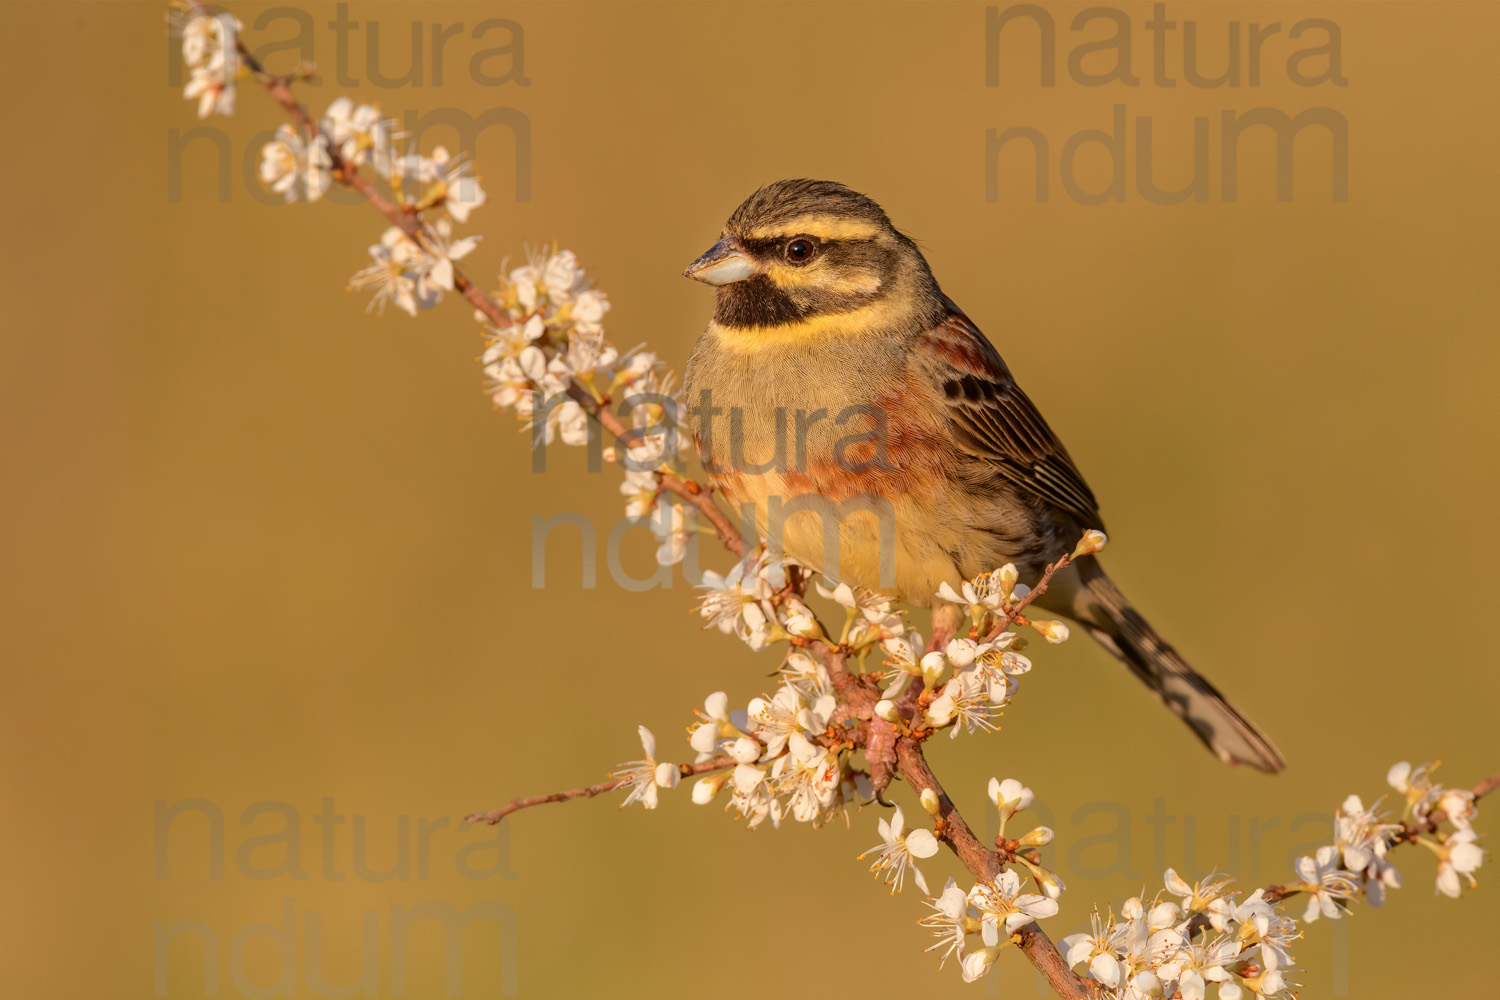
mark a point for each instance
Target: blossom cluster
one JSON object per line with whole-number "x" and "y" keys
{"x": 1188, "y": 936}
{"x": 554, "y": 358}
{"x": 789, "y": 758}
{"x": 780, "y": 765}
{"x": 1192, "y": 935}
{"x": 791, "y": 753}
{"x": 209, "y": 50}
{"x": 791, "y": 750}
{"x": 551, "y": 360}
{"x": 964, "y": 684}
{"x": 784, "y": 753}
{"x": 1444, "y": 815}
{"x": 410, "y": 266}
{"x": 995, "y": 908}
{"x": 752, "y": 602}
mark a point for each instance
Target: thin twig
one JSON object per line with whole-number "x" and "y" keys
{"x": 515, "y": 805}
{"x": 1014, "y": 612}
{"x": 1013, "y": 615}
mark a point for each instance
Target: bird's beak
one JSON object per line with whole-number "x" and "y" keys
{"x": 724, "y": 262}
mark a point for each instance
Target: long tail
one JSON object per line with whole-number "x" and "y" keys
{"x": 1119, "y": 627}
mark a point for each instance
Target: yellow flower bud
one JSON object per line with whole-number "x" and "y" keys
{"x": 1039, "y": 837}
{"x": 1052, "y": 631}
{"x": 1091, "y": 542}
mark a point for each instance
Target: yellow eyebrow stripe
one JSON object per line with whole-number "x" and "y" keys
{"x": 824, "y": 227}
{"x": 787, "y": 276}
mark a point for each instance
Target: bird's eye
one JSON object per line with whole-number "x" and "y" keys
{"x": 800, "y": 251}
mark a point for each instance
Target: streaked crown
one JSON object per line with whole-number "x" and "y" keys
{"x": 823, "y": 209}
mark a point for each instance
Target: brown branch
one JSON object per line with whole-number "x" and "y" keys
{"x": 857, "y": 690}
{"x": 950, "y": 827}
{"x": 690, "y": 490}
{"x": 984, "y": 864}
{"x": 347, "y": 174}
{"x": 526, "y": 802}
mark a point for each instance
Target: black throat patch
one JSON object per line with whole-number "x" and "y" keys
{"x": 755, "y": 301}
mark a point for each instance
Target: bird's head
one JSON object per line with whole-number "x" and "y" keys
{"x": 797, "y": 250}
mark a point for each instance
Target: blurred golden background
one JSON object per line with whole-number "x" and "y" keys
{"x": 262, "y": 547}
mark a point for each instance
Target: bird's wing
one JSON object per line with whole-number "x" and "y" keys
{"x": 993, "y": 420}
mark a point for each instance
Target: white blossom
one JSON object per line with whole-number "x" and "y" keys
{"x": 775, "y": 719}
{"x": 809, "y": 776}
{"x": 1001, "y": 904}
{"x": 1326, "y": 884}
{"x": 1010, "y": 797}
{"x": 358, "y": 132}
{"x": 806, "y": 676}
{"x": 981, "y": 594}
{"x": 717, "y": 725}
{"x": 1275, "y": 940}
{"x": 393, "y": 276}
{"x": 899, "y": 851}
{"x": 671, "y": 523}
{"x": 644, "y": 777}
{"x": 444, "y": 250}
{"x": 562, "y": 277}
{"x": 752, "y": 796}
{"x": 1198, "y": 897}
{"x": 458, "y": 190}
{"x": 797, "y": 619}
{"x": 1144, "y": 985}
{"x": 1362, "y": 841}
{"x": 1195, "y": 965}
{"x": 1456, "y": 805}
{"x": 209, "y": 50}
{"x": 295, "y": 168}
{"x": 951, "y": 922}
{"x": 1099, "y": 949}
{"x": 635, "y": 364}
{"x": 965, "y": 703}
{"x": 1458, "y": 855}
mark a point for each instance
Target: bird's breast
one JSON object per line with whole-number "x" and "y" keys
{"x": 824, "y": 448}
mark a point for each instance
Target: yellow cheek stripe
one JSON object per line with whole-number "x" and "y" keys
{"x": 824, "y": 227}
{"x": 815, "y": 275}
{"x": 869, "y": 320}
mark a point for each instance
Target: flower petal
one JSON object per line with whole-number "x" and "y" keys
{"x": 921, "y": 843}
